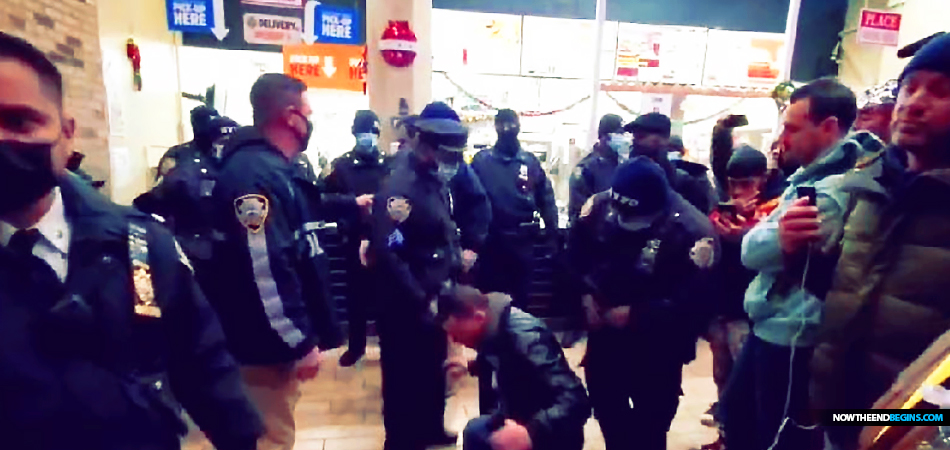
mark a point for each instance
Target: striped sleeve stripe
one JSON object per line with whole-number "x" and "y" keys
{"x": 267, "y": 288}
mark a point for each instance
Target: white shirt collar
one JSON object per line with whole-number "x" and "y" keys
{"x": 52, "y": 226}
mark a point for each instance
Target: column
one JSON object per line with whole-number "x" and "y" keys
{"x": 387, "y": 84}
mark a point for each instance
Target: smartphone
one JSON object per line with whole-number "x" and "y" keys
{"x": 729, "y": 210}
{"x": 807, "y": 191}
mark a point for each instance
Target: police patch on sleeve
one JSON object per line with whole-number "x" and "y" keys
{"x": 588, "y": 207}
{"x": 252, "y": 211}
{"x": 703, "y": 253}
{"x": 166, "y": 165}
{"x": 578, "y": 172}
{"x": 398, "y": 208}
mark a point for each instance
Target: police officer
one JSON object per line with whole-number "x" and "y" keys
{"x": 642, "y": 256}
{"x": 651, "y": 138}
{"x": 103, "y": 332}
{"x": 417, "y": 252}
{"x": 199, "y": 147}
{"x": 358, "y": 172}
{"x": 520, "y": 194}
{"x": 471, "y": 210}
{"x": 183, "y": 195}
{"x": 269, "y": 280}
{"x": 594, "y": 172}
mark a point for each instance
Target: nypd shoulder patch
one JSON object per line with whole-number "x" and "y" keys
{"x": 398, "y": 208}
{"x": 703, "y": 253}
{"x": 251, "y": 211}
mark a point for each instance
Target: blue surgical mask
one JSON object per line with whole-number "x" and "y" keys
{"x": 366, "y": 141}
{"x": 620, "y": 144}
{"x": 674, "y": 156}
{"x": 447, "y": 171}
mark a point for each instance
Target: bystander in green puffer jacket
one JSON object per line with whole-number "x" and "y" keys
{"x": 891, "y": 294}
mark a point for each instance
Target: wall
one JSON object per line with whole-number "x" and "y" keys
{"x": 863, "y": 66}
{"x": 145, "y": 121}
{"x": 66, "y": 31}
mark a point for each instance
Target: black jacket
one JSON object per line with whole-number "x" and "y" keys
{"x": 415, "y": 241}
{"x": 517, "y": 188}
{"x": 667, "y": 288}
{"x": 593, "y": 174}
{"x": 356, "y": 174}
{"x": 269, "y": 282}
{"x": 183, "y": 197}
{"x": 535, "y": 386}
{"x": 83, "y": 370}
{"x": 689, "y": 179}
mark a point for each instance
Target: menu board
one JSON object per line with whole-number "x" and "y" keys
{"x": 563, "y": 48}
{"x": 476, "y": 42}
{"x": 660, "y": 53}
{"x": 739, "y": 58}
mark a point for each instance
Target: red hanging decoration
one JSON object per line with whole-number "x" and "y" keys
{"x": 398, "y": 44}
{"x": 132, "y": 51}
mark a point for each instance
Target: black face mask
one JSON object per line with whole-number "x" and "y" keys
{"x": 26, "y": 174}
{"x": 306, "y": 138}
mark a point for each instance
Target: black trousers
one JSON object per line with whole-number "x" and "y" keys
{"x": 361, "y": 291}
{"x": 413, "y": 352}
{"x": 634, "y": 388}
{"x": 506, "y": 265}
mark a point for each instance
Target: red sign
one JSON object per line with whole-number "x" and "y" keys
{"x": 879, "y": 27}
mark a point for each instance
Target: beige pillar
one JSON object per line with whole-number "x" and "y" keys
{"x": 388, "y": 84}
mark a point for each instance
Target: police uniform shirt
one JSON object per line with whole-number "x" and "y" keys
{"x": 53, "y": 247}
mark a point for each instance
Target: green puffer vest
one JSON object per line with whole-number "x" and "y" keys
{"x": 891, "y": 295}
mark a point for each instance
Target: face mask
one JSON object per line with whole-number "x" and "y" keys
{"x": 306, "y": 138}
{"x": 366, "y": 142}
{"x": 447, "y": 171}
{"x": 26, "y": 174}
{"x": 620, "y": 144}
{"x": 674, "y": 156}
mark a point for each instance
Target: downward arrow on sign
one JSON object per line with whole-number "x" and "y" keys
{"x": 219, "y": 30}
{"x": 328, "y": 68}
{"x": 310, "y": 22}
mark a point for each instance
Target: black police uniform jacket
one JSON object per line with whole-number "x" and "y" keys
{"x": 183, "y": 197}
{"x": 471, "y": 208}
{"x": 415, "y": 240}
{"x": 356, "y": 174}
{"x": 592, "y": 175}
{"x": 80, "y": 368}
{"x": 517, "y": 188}
{"x": 533, "y": 382}
{"x": 270, "y": 273}
{"x": 664, "y": 274}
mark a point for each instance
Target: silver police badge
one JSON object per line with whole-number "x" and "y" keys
{"x": 252, "y": 211}
{"x": 398, "y": 208}
{"x": 703, "y": 253}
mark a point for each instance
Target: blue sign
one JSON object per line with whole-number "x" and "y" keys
{"x": 337, "y": 26}
{"x": 190, "y": 16}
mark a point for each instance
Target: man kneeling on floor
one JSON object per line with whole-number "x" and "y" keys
{"x": 539, "y": 402}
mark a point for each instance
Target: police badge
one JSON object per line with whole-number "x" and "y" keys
{"x": 398, "y": 208}
{"x": 252, "y": 211}
{"x": 703, "y": 253}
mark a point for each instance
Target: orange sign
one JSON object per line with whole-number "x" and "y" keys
{"x": 326, "y": 66}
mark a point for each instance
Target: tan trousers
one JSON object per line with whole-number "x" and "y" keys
{"x": 275, "y": 391}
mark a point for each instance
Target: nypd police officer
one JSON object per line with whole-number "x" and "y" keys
{"x": 103, "y": 332}
{"x": 642, "y": 256}
{"x": 595, "y": 171}
{"x": 417, "y": 252}
{"x": 520, "y": 194}
{"x": 358, "y": 172}
{"x": 269, "y": 280}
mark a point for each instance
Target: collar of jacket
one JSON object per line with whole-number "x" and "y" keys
{"x": 360, "y": 159}
{"x": 91, "y": 216}
{"x": 247, "y": 137}
{"x": 604, "y": 152}
{"x": 500, "y": 155}
{"x": 839, "y": 159}
{"x": 417, "y": 167}
{"x": 885, "y": 173}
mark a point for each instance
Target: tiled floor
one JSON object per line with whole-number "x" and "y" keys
{"x": 340, "y": 410}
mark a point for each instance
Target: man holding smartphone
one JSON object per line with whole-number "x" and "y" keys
{"x": 793, "y": 250}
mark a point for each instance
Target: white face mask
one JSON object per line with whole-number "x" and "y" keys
{"x": 367, "y": 141}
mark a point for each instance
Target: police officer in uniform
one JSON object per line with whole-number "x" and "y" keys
{"x": 471, "y": 208}
{"x": 103, "y": 333}
{"x": 416, "y": 246}
{"x": 594, "y": 173}
{"x": 183, "y": 196}
{"x": 199, "y": 147}
{"x": 269, "y": 275}
{"x": 358, "y": 172}
{"x": 643, "y": 258}
{"x": 520, "y": 194}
